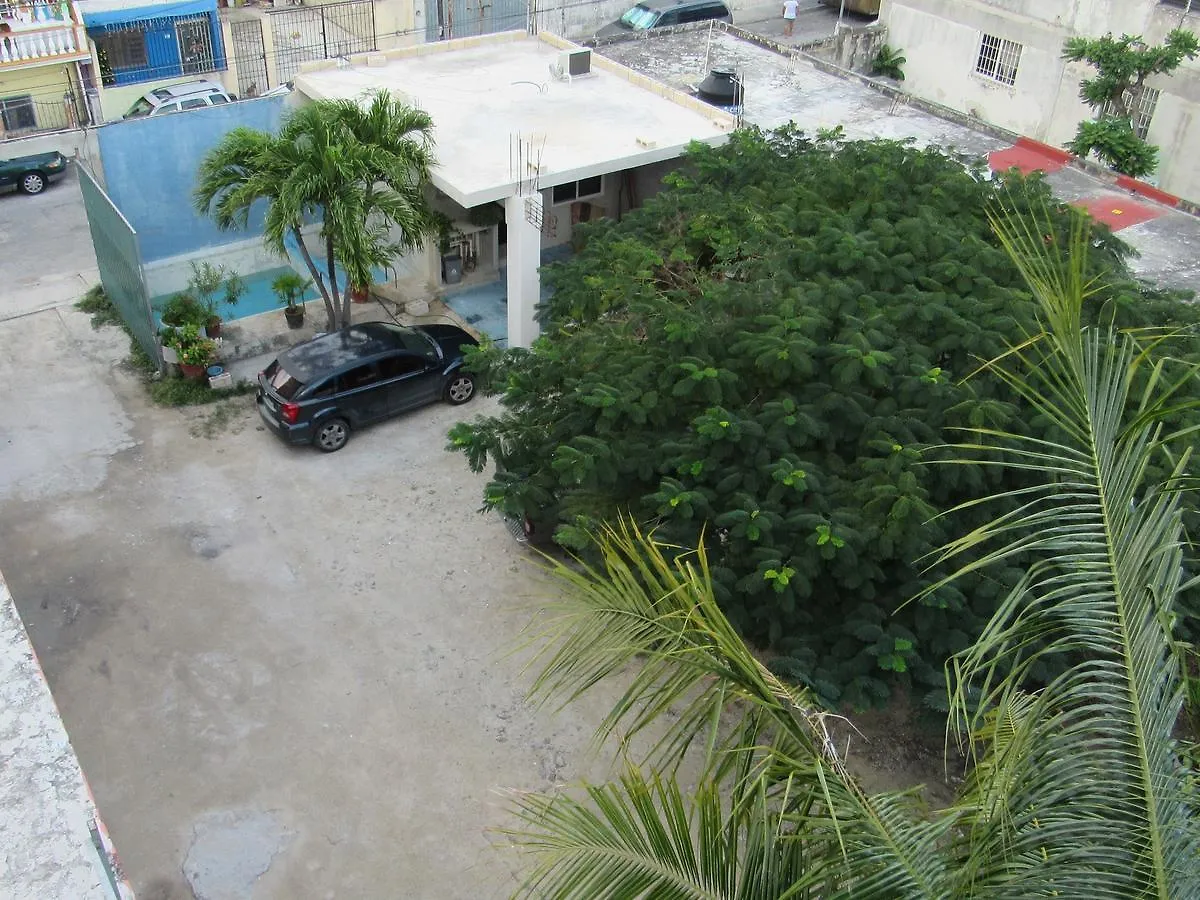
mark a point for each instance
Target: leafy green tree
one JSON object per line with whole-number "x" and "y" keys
{"x": 1077, "y": 789}
{"x": 361, "y": 172}
{"x": 1122, "y": 65}
{"x": 765, "y": 358}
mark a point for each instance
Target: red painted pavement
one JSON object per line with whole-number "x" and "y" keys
{"x": 1118, "y": 212}
{"x": 1027, "y": 157}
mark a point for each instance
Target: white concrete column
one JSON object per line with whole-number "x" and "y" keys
{"x": 524, "y": 259}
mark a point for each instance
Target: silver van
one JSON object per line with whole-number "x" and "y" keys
{"x": 178, "y": 97}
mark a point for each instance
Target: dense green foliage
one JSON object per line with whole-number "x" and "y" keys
{"x": 763, "y": 355}
{"x": 1078, "y": 789}
{"x": 1122, "y": 66}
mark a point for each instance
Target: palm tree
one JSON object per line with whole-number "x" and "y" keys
{"x": 1077, "y": 788}
{"x": 362, "y": 172}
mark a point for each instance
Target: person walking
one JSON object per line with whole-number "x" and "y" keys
{"x": 790, "y": 8}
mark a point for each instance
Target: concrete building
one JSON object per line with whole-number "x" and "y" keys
{"x": 52, "y": 842}
{"x": 1001, "y": 61}
{"x": 41, "y": 46}
{"x": 550, "y": 149}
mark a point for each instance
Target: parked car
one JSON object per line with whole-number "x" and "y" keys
{"x": 178, "y": 97}
{"x": 319, "y": 391}
{"x": 31, "y": 174}
{"x": 663, "y": 13}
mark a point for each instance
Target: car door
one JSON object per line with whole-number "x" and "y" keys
{"x": 360, "y": 396}
{"x": 411, "y": 381}
{"x": 8, "y": 172}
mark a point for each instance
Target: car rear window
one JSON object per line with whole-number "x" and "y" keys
{"x": 281, "y": 381}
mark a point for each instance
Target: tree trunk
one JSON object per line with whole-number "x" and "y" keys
{"x": 338, "y": 318}
{"x": 315, "y": 273}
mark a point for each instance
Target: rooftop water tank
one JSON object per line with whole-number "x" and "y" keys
{"x": 722, "y": 87}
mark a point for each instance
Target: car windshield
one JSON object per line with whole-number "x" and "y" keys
{"x": 282, "y": 382}
{"x": 415, "y": 341}
{"x": 639, "y": 18}
{"x": 141, "y": 108}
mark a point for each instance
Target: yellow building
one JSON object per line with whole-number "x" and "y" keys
{"x": 41, "y": 46}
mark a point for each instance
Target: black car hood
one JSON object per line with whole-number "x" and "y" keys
{"x": 451, "y": 339}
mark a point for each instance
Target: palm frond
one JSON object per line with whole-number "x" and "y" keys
{"x": 649, "y": 615}
{"x": 1084, "y": 795}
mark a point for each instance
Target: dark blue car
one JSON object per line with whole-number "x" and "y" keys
{"x": 319, "y": 391}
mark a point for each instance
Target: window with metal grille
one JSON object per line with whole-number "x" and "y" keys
{"x": 998, "y": 59}
{"x": 1143, "y": 111}
{"x": 195, "y": 45}
{"x": 16, "y": 113}
{"x": 123, "y": 49}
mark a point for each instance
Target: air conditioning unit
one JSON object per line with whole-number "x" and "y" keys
{"x": 575, "y": 63}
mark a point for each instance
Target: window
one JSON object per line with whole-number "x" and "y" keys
{"x": 218, "y": 99}
{"x": 395, "y": 366}
{"x": 578, "y": 190}
{"x": 703, "y": 12}
{"x": 123, "y": 49}
{"x": 998, "y": 59}
{"x": 1143, "y": 111}
{"x": 357, "y": 378}
{"x": 195, "y": 45}
{"x": 667, "y": 19}
{"x": 17, "y": 113}
{"x": 195, "y": 103}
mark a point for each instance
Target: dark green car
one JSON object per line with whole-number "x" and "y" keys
{"x": 31, "y": 174}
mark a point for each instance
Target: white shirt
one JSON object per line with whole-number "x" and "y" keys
{"x": 789, "y": 8}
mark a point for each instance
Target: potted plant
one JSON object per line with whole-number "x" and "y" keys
{"x": 183, "y": 309}
{"x": 360, "y": 293}
{"x": 206, "y": 282}
{"x": 290, "y": 288}
{"x": 169, "y": 337}
{"x": 195, "y": 352}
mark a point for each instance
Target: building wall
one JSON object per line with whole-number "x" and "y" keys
{"x": 941, "y": 41}
{"x": 46, "y": 86}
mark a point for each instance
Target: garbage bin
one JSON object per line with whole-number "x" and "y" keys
{"x": 452, "y": 268}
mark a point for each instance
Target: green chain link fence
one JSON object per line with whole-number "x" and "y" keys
{"x": 120, "y": 262}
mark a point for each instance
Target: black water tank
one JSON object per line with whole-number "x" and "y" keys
{"x": 721, "y": 88}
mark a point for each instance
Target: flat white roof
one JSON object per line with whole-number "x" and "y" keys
{"x": 495, "y": 104}
{"x": 53, "y": 842}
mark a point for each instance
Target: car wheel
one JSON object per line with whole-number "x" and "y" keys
{"x": 332, "y": 435}
{"x": 460, "y": 388}
{"x": 33, "y": 182}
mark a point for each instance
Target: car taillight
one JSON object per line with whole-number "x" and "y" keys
{"x": 291, "y": 412}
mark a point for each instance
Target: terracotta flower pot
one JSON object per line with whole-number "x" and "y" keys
{"x": 195, "y": 373}
{"x": 359, "y": 294}
{"x": 213, "y": 328}
{"x": 294, "y": 316}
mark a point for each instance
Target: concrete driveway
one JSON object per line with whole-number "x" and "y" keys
{"x": 284, "y": 672}
{"x": 46, "y": 256}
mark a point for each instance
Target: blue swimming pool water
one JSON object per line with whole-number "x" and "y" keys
{"x": 259, "y": 298}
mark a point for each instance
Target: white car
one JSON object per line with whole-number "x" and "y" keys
{"x": 178, "y": 97}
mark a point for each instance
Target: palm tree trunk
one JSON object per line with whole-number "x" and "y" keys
{"x": 337, "y": 316}
{"x": 315, "y": 273}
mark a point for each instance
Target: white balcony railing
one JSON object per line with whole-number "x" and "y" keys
{"x": 40, "y": 32}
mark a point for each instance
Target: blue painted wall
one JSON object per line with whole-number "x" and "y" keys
{"x": 150, "y": 170}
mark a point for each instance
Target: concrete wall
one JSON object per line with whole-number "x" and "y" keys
{"x": 153, "y": 189}
{"x": 940, "y": 39}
